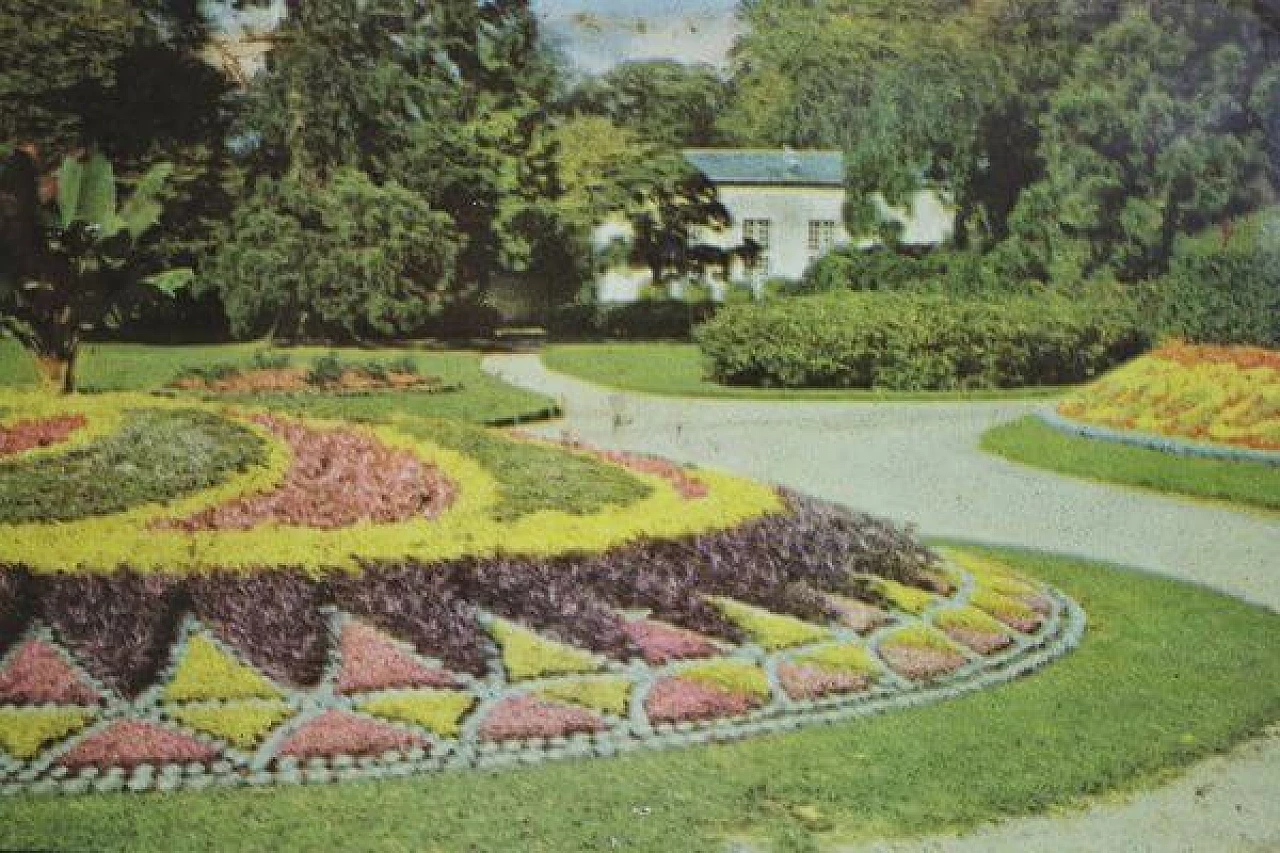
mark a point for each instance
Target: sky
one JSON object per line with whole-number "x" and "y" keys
{"x": 596, "y": 34}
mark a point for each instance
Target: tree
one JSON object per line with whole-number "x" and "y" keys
{"x": 70, "y": 255}
{"x": 660, "y": 101}
{"x": 345, "y": 258}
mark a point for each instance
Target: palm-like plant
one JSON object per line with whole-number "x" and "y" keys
{"x": 69, "y": 249}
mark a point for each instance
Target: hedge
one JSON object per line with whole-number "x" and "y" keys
{"x": 901, "y": 341}
{"x": 650, "y": 319}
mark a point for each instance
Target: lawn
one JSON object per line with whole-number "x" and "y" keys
{"x": 134, "y": 367}
{"x": 1168, "y": 672}
{"x": 675, "y": 369}
{"x": 1033, "y": 442}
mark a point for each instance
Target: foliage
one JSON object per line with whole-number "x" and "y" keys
{"x": 441, "y": 711}
{"x": 207, "y": 672}
{"x": 647, "y": 319}
{"x": 970, "y": 618}
{"x": 155, "y": 457}
{"x": 903, "y": 597}
{"x": 1033, "y": 442}
{"x": 527, "y": 655}
{"x": 959, "y": 273}
{"x": 346, "y": 257}
{"x": 920, "y": 637}
{"x": 1007, "y": 609}
{"x": 1228, "y": 394}
{"x": 607, "y": 694}
{"x": 771, "y": 630}
{"x": 66, "y": 261}
{"x": 1223, "y": 285}
{"x": 23, "y": 733}
{"x": 913, "y": 342}
{"x": 241, "y": 724}
{"x": 660, "y": 101}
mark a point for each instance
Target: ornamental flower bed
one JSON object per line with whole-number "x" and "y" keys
{"x": 323, "y": 601}
{"x": 1216, "y": 394}
{"x": 26, "y": 435}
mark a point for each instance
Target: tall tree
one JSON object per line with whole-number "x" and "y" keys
{"x": 660, "y": 101}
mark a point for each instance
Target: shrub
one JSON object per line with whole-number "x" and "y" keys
{"x": 648, "y": 319}
{"x": 1223, "y": 286}
{"x": 851, "y": 268}
{"x": 325, "y": 369}
{"x": 916, "y": 342}
{"x": 268, "y": 360}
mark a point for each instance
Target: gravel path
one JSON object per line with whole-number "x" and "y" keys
{"x": 919, "y": 463}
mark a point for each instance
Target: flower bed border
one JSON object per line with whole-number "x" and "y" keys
{"x": 1060, "y": 633}
{"x": 1156, "y": 442}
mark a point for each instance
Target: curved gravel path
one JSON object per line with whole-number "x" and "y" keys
{"x": 920, "y": 463}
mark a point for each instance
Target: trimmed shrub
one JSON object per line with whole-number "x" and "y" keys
{"x": 899, "y": 341}
{"x": 1223, "y": 286}
{"x": 648, "y": 319}
{"x": 851, "y": 268}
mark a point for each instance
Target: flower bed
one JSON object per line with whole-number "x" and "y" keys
{"x": 28, "y": 434}
{"x": 360, "y": 600}
{"x": 1215, "y": 394}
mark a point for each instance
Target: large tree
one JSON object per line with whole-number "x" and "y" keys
{"x": 660, "y": 101}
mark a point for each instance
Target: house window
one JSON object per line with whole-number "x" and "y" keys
{"x": 822, "y": 236}
{"x": 759, "y": 232}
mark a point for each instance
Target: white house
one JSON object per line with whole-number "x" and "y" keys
{"x": 790, "y": 206}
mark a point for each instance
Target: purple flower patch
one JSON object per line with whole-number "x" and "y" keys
{"x": 526, "y": 717}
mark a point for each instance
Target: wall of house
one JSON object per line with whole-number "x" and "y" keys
{"x": 789, "y": 210}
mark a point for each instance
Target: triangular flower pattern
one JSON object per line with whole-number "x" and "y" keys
{"x": 37, "y": 674}
{"x": 128, "y": 743}
{"x": 373, "y": 661}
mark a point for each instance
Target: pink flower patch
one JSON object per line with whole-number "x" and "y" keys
{"x": 132, "y": 742}
{"x": 1024, "y": 624}
{"x": 858, "y": 615}
{"x": 525, "y": 717}
{"x": 339, "y": 733}
{"x": 661, "y": 643}
{"x": 811, "y": 682}
{"x": 338, "y": 478}
{"x": 37, "y": 674}
{"x": 1038, "y": 603}
{"x": 685, "y": 485}
{"x": 674, "y": 700}
{"x": 919, "y": 663}
{"x": 372, "y": 661}
{"x": 982, "y": 642}
{"x": 27, "y": 435}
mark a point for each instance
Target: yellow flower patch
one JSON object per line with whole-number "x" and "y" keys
{"x": 207, "y": 672}
{"x": 529, "y": 655}
{"x": 773, "y": 631}
{"x": 609, "y": 694}
{"x": 241, "y": 724}
{"x": 440, "y": 711}
{"x": 24, "y": 733}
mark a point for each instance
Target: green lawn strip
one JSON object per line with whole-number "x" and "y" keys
{"x": 533, "y": 477}
{"x": 141, "y": 367}
{"x": 674, "y": 369}
{"x": 1168, "y": 672}
{"x": 1032, "y": 442}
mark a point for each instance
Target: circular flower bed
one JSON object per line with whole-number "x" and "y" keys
{"x": 332, "y": 601}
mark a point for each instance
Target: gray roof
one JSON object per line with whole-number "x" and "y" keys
{"x": 768, "y": 166}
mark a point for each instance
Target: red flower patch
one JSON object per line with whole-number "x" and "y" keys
{"x": 371, "y": 661}
{"x": 525, "y": 717}
{"x": 661, "y": 643}
{"x": 339, "y": 733}
{"x": 811, "y": 682}
{"x": 982, "y": 642}
{"x": 674, "y": 700}
{"x": 37, "y": 674}
{"x": 919, "y": 663}
{"x": 132, "y": 742}
{"x": 858, "y": 615}
{"x": 338, "y": 478}
{"x": 27, "y": 435}
{"x": 688, "y": 488}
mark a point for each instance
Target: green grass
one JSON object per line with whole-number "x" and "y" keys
{"x": 1168, "y": 673}
{"x": 672, "y": 369}
{"x": 1032, "y": 442}
{"x": 139, "y": 367}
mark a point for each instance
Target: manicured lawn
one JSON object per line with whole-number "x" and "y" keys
{"x": 1033, "y": 442}
{"x": 129, "y": 367}
{"x": 1168, "y": 672}
{"x": 674, "y": 369}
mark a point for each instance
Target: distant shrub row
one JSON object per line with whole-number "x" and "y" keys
{"x": 647, "y": 319}
{"x": 906, "y": 341}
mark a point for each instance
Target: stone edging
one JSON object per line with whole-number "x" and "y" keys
{"x": 1160, "y": 443}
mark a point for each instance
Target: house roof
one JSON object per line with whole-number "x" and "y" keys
{"x": 768, "y": 166}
